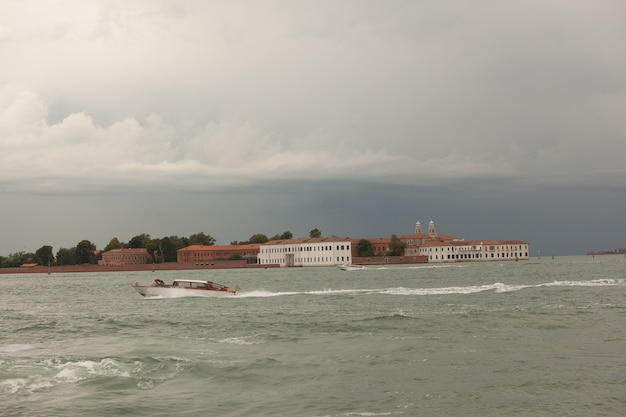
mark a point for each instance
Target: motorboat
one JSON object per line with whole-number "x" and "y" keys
{"x": 350, "y": 267}
{"x": 184, "y": 288}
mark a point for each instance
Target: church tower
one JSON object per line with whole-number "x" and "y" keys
{"x": 418, "y": 228}
{"x": 431, "y": 229}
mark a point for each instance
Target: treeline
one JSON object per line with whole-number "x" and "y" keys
{"x": 160, "y": 249}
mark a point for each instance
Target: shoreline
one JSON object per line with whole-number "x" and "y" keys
{"x": 167, "y": 266}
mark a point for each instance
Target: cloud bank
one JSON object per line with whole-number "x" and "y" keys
{"x": 207, "y": 95}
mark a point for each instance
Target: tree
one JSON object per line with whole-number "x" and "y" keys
{"x": 114, "y": 244}
{"x": 66, "y": 256}
{"x": 315, "y": 233}
{"x": 364, "y": 248}
{"x": 235, "y": 257}
{"x": 396, "y": 246}
{"x": 201, "y": 239}
{"x": 16, "y": 259}
{"x": 139, "y": 241}
{"x": 169, "y": 245}
{"x": 85, "y": 252}
{"x": 258, "y": 238}
{"x": 286, "y": 235}
{"x": 152, "y": 248}
{"x": 44, "y": 255}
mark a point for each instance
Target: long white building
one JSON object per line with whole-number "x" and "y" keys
{"x": 316, "y": 251}
{"x": 463, "y": 251}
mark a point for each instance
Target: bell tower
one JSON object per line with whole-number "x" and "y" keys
{"x": 418, "y": 228}
{"x": 431, "y": 229}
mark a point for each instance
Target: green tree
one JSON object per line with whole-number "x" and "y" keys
{"x": 66, "y": 256}
{"x": 44, "y": 255}
{"x": 258, "y": 238}
{"x": 85, "y": 252}
{"x": 364, "y": 248}
{"x": 169, "y": 245}
{"x": 139, "y": 241}
{"x": 235, "y": 257}
{"x": 396, "y": 246}
{"x": 315, "y": 233}
{"x": 201, "y": 239}
{"x": 286, "y": 235}
{"x": 16, "y": 259}
{"x": 114, "y": 244}
{"x": 152, "y": 248}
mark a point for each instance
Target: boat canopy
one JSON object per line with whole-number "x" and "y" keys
{"x": 193, "y": 281}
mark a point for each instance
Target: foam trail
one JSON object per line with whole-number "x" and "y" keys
{"x": 497, "y": 287}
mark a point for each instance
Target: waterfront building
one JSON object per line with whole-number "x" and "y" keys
{"x": 124, "y": 256}
{"x": 315, "y": 251}
{"x": 208, "y": 253}
{"x": 463, "y": 251}
{"x": 446, "y": 248}
{"x": 380, "y": 245}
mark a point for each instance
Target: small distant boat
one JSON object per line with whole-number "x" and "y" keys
{"x": 184, "y": 288}
{"x": 350, "y": 267}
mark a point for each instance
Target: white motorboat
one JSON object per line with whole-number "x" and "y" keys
{"x": 184, "y": 288}
{"x": 350, "y": 267}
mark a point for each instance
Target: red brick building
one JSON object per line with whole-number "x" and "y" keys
{"x": 124, "y": 256}
{"x": 203, "y": 253}
{"x": 380, "y": 245}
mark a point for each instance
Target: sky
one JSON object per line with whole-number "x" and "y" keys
{"x": 497, "y": 119}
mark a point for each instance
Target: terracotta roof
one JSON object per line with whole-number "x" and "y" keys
{"x": 307, "y": 240}
{"x": 373, "y": 240}
{"x": 251, "y": 246}
{"x": 126, "y": 250}
{"x": 472, "y": 242}
{"x": 422, "y": 236}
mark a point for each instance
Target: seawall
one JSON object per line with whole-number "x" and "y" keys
{"x": 167, "y": 266}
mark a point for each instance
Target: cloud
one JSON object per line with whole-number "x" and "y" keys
{"x": 207, "y": 95}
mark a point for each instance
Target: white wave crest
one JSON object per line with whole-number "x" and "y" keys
{"x": 74, "y": 371}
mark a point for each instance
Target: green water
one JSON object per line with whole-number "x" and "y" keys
{"x": 544, "y": 337}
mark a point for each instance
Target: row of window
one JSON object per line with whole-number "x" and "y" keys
{"x": 285, "y": 249}
{"x": 467, "y": 248}
{"x": 125, "y": 258}
{"x": 478, "y": 256}
{"x": 216, "y": 254}
{"x": 313, "y": 260}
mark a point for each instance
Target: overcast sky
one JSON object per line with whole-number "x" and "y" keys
{"x": 497, "y": 119}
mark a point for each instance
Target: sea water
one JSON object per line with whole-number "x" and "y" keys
{"x": 544, "y": 337}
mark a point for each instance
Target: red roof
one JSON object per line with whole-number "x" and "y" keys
{"x": 307, "y": 240}
{"x": 251, "y": 246}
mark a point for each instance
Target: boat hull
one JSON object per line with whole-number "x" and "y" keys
{"x": 175, "y": 292}
{"x": 352, "y": 267}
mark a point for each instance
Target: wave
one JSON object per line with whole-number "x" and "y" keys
{"x": 30, "y": 377}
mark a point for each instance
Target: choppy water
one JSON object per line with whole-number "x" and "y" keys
{"x": 537, "y": 338}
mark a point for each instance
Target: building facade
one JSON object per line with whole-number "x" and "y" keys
{"x": 465, "y": 251}
{"x": 446, "y": 248}
{"x": 380, "y": 245}
{"x": 124, "y": 256}
{"x": 205, "y": 253}
{"x": 317, "y": 251}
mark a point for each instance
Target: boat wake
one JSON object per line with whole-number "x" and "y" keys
{"x": 497, "y": 287}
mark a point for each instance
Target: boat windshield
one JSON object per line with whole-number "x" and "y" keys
{"x": 189, "y": 283}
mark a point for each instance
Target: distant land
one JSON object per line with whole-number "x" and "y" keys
{"x": 620, "y": 251}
